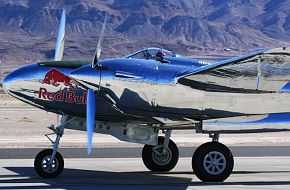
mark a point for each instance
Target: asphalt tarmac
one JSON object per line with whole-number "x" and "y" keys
{"x": 135, "y": 152}
{"x": 130, "y": 173}
{"x": 266, "y": 167}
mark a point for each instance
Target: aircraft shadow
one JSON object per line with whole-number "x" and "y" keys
{"x": 79, "y": 179}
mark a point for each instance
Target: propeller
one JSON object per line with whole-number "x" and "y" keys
{"x": 91, "y": 111}
{"x": 59, "y": 47}
{"x": 99, "y": 46}
{"x": 91, "y": 104}
{"x": 60, "y": 38}
{"x": 60, "y": 43}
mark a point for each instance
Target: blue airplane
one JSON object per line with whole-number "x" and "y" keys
{"x": 145, "y": 96}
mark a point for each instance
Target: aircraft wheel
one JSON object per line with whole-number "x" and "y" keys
{"x": 42, "y": 166}
{"x": 212, "y": 162}
{"x": 159, "y": 159}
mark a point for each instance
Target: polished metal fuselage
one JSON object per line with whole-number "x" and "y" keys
{"x": 137, "y": 90}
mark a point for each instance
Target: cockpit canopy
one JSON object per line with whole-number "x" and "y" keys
{"x": 166, "y": 56}
{"x": 152, "y": 53}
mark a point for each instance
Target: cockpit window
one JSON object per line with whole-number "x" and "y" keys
{"x": 152, "y": 53}
{"x": 139, "y": 55}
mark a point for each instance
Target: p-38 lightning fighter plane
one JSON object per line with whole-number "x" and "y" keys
{"x": 136, "y": 99}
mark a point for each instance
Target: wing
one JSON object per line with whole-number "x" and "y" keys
{"x": 262, "y": 71}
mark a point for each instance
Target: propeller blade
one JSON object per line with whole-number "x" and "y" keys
{"x": 99, "y": 47}
{"x": 91, "y": 110}
{"x": 60, "y": 38}
{"x": 60, "y": 43}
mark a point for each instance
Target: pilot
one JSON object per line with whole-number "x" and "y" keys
{"x": 160, "y": 55}
{"x": 148, "y": 55}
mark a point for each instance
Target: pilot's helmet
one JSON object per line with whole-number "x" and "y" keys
{"x": 160, "y": 53}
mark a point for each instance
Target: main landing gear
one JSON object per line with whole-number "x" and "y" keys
{"x": 211, "y": 162}
{"x": 163, "y": 157}
{"x": 49, "y": 163}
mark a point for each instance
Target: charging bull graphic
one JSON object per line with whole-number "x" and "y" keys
{"x": 55, "y": 77}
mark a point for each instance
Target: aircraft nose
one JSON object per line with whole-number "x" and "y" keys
{"x": 18, "y": 81}
{"x": 8, "y": 80}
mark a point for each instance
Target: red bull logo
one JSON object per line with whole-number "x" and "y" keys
{"x": 55, "y": 78}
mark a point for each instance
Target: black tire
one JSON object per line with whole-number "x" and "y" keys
{"x": 163, "y": 163}
{"x": 209, "y": 168}
{"x": 41, "y": 161}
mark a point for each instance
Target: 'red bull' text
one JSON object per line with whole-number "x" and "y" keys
{"x": 62, "y": 96}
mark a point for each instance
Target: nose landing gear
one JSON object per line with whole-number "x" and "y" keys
{"x": 49, "y": 163}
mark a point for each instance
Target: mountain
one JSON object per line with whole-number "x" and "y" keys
{"x": 28, "y": 28}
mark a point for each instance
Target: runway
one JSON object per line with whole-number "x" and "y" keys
{"x": 129, "y": 173}
{"x": 135, "y": 152}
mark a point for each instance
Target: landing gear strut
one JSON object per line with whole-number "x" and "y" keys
{"x": 212, "y": 161}
{"x": 162, "y": 157}
{"x": 49, "y": 163}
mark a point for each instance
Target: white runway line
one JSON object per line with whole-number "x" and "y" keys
{"x": 23, "y": 185}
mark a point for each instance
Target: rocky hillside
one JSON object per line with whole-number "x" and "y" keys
{"x": 28, "y": 27}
